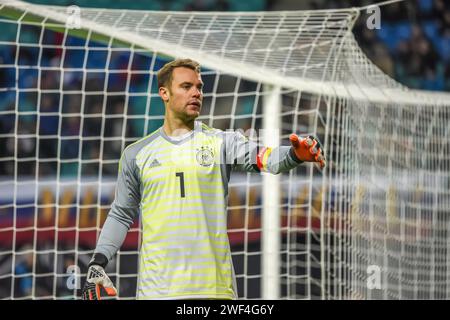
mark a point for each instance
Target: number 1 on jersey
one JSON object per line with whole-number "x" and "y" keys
{"x": 181, "y": 176}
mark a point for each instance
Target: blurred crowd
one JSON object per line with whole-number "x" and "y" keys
{"x": 412, "y": 46}
{"x": 413, "y": 43}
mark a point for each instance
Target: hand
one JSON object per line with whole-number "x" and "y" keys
{"x": 97, "y": 278}
{"x": 308, "y": 149}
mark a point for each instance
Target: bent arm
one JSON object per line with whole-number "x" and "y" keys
{"x": 115, "y": 230}
{"x": 123, "y": 211}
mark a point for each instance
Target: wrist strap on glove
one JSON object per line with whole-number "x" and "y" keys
{"x": 98, "y": 259}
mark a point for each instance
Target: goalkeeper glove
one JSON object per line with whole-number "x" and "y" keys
{"x": 308, "y": 149}
{"x": 97, "y": 279}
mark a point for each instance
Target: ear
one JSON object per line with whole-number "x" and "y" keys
{"x": 164, "y": 93}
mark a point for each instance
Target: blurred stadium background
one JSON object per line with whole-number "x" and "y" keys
{"x": 412, "y": 46}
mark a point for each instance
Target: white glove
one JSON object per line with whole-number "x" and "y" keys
{"x": 97, "y": 278}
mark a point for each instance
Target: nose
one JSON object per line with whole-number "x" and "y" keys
{"x": 197, "y": 92}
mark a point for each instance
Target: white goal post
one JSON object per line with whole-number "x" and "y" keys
{"x": 77, "y": 86}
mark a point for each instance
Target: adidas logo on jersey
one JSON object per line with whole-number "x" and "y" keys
{"x": 155, "y": 163}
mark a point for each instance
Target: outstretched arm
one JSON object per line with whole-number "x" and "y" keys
{"x": 245, "y": 155}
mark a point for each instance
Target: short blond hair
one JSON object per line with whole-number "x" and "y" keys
{"x": 164, "y": 74}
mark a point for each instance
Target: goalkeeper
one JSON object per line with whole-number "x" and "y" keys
{"x": 177, "y": 179}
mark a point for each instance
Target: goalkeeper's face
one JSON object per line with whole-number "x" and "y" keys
{"x": 184, "y": 99}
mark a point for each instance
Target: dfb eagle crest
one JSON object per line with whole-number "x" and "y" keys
{"x": 205, "y": 156}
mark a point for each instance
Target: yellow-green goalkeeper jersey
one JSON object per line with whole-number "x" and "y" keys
{"x": 180, "y": 187}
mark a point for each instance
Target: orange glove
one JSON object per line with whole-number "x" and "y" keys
{"x": 308, "y": 149}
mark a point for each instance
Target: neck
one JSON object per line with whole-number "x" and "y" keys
{"x": 176, "y": 127}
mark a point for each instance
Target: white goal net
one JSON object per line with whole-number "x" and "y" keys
{"x": 78, "y": 85}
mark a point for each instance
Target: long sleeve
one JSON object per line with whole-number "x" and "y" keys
{"x": 246, "y": 155}
{"x": 124, "y": 209}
